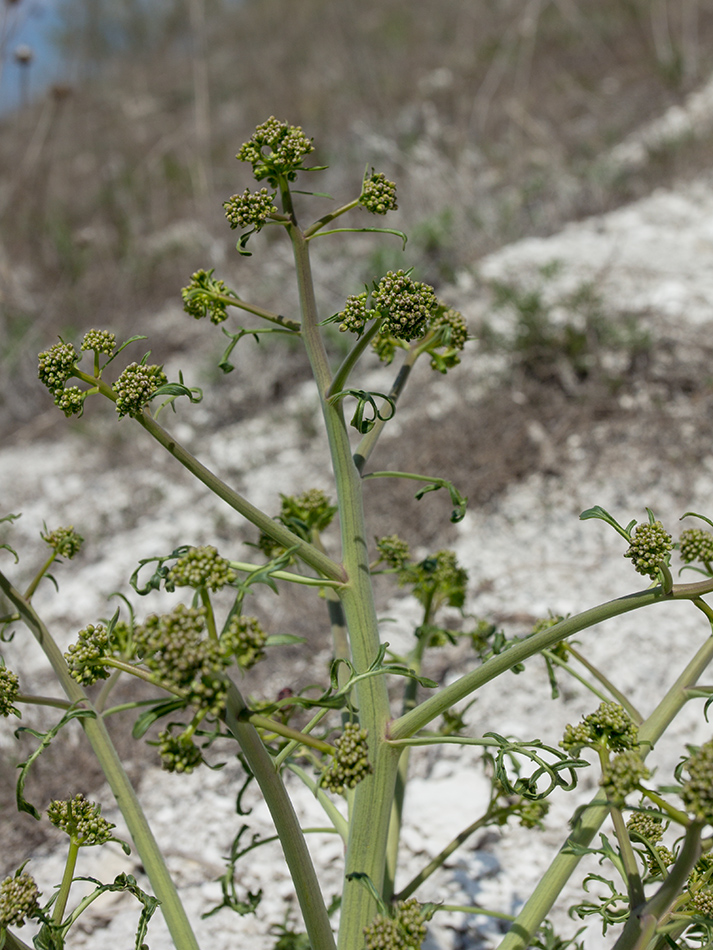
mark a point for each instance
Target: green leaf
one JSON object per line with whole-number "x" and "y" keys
{"x": 693, "y": 514}
{"x": 597, "y": 512}
{"x": 148, "y": 718}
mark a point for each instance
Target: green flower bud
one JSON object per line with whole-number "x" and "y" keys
{"x": 405, "y": 929}
{"x": 244, "y": 639}
{"x": 437, "y": 580}
{"x": 250, "y": 210}
{"x": 178, "y": 753}
{"x": 650, "y": 546}
{"x": 665, "y": 856}
{"x": 610, "y": 727}
{"x": 378, "y": 194}
{"x": 70, "y": 400}
{"x": 696, "y": 545}
{"x": 56, "y": 365}
{"x": 202, "y": 567}
{"x": 100, "y": 341}
{"x": 81, "y": 819}
{"x": 702, "y": 902}
{"x": 697, "y": 791}
{"x": 135, "y": 387}
{"x": 452, "y": 335}
{"x": 350, "y": 763}
{"x": 19, "y": 898}
{"x": 646, "y": 826}
{"x": 203, "y": 297}
{"x": 393, "y": 551}
{"x": 408, "y": 305}
{"x": 65, "y": 541}
{"x": 83, "y": 657}
{"x": 623, "y": 775}
{"x": 276, "y": 149}
{"x": 356, "y": 314}
{"x": 9, "y": 689}
{"x": 312, "y": 508}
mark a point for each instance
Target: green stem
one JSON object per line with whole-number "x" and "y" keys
{"x": 474, "y": 909}
{"x": 591, "y": 817}
{"x": 286, "y": 575}
{"x": 313, "y": 228}
{"x": 63, "y": 894}
{"x": 341, "y": 826}
{"x": 368, "y": 827}
{"x": 631, "y": 869}
{"x": 14, "y": 943}
{"x": 280, "y": 729}
{"x": 124, "y": 794}
{"x": 291, "y": 837}
{"x": 42, "y": 701}
{"x": 38, "y": 577}
{"x": 273, "y": 529}
{"x": 639, "y": 924}
{"x": 258, "y": 311}
{"x": 564, "y": 665}
{"x": 350, "y": 360}
{"x": 209, "y": 615}
{"x": 429, "y": 710}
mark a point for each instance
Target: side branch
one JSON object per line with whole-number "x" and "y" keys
{"x": 415, "y": 720}
{"x": 273, "y": 529}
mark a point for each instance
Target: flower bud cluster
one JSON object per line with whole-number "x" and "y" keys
{"x": 245, "y": 640}
{"x": 393, "y": 551}
{"x": 356, "y": 313}
{"x": 70, "y": 400}
{"x": 19, "y": 897}
{"x": 531, "y": 813}
{"x": 178, "y": 753}
{"x": 407, "y": 304}
{"x": 202, "y": 297}
{"x": 135, "y": 387}
{"x": 702, "y": 902}
{"x": 176, "y": 651}
{"x": 100, "y": 341}
{"x": 452, "y": 335}
{"x": 697, "y": 791}
{"x": 250, "y": 210}
{"x": 56, "y": 365}
{"x": 287, "y": 146}
{"x": 610, "y": 727}
{"x": 312, "y": 508}
{"x": 437, "y": 580}
{"x": 664, "y": 855}
{"x": 351, "y": 760}
{"x": 650, "y": 546}
{"x": 378, "y": 194}
{"x": 404, "y": 930}
{"x": 9, "y": 689}
{"x": 201, "y": 567}
{"x": 81, "y": 819}
{"x": 646, "y": 826}
{"x": 65, "y": 541}
{"x": 623, "y": 774}
{"x": 84, "y": 657}
{"x": 696, "y": 545}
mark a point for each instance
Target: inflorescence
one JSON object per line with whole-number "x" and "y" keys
{"x": 136, "y": 386}
{"x": 696, "y": 545}
{"x": 276, "y": 150}
{"x": 650, "y": 547}
{"x": 697, "y": 791}
{"x": 19, "y": 898}
{"x": 9, "y": 689}
{"x": 378, "y": 194}
{"x": 610, "y": 727}
{"x": 252, "y": 209}
{"x": 404, "y": 930}
{"x": 66, "y": 542}
{"x": 204, "y": 296}
{"x": 81, "y": 819}
{"x": 201, "y": 567}
{"x": 100, "y": 341}
{"x": 351, "y": 760}
{"x": 84, "y": 658}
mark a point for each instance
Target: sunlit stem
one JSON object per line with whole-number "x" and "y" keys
{"x": 63, "y": 894}
{"x": 40, "y": 574}
{"x": 633, "y": 712}
{"x": 287, "y": 732}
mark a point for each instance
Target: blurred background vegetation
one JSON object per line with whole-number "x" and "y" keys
{"x": 495, "y": 117}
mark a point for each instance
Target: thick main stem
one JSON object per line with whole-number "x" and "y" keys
{"x": 369, "y": 822}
